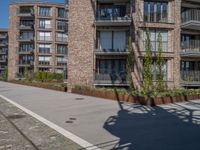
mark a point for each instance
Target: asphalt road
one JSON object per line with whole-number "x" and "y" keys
{"x": 111, "y": 124}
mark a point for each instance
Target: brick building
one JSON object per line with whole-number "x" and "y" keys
{"x": 99, "y": 32}
{"x": 37, "y": 38}
{"x": 3, "y": 50}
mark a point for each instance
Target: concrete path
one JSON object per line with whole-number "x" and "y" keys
{"x": 113, "y": 125}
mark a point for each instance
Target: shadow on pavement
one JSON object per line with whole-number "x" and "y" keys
{"x": 155, "y": 128}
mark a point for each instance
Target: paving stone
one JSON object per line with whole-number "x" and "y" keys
{"x": 33, "y": 132}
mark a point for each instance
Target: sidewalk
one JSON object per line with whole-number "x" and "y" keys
{"x": 20, "y": 131}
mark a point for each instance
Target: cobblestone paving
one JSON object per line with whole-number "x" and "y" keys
{"x": 20, "y": 131}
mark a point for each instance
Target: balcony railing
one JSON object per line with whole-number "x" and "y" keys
{"x": 26, "y": 63}
{"x": 111, "y": 79}
{"x": 44, "y": 63}
{"x": 3, "y": 36}
{"x": 115, "y": 21}
{"x": 101, "y": 51}
{"x": 61, "y": 39}
{"x": 191, "y": 15}
{"x": 3, "y": 59}
{"x": 190, "y": 78}
{"x": 3, "y": 44}
{"x": 191, "y": 47}
{"x": 26, "y": 26}
{"x": 21, "y": 38}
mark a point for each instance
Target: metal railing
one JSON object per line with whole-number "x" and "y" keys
{"x": 110, "y": 18}
{"x": 111, "y": 78}
{"x": 61, "y": 39}
{"x": 192, "y": 46}
{"x": 102, "y": 50}
{"x": 190, "y": 77}
{"x": 190, "y": 15}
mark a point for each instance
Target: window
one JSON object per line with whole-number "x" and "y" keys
{"x": 43, "y": 23}
{"x": 154, "y": 39}
{"x": 61, "y": 13}
{"x": 155, "y": 11}
{"x": 44, "y": 48}
{"x": 61, "y": 49}
{"x": 61, "y": 25}
{"x": 26, "y": 47}
{"x": 61, "y": 37}
{"x": 113, "y": 40}
{"x": 44, "y": 60}
{"x": 45, "y": 11}
{"x": 45, "y": 36}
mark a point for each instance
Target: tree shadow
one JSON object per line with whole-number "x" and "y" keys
{"x": 170, "y": 127}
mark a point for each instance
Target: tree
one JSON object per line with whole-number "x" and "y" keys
{"x": 147, "y": 74}
{"x": 159, "y": 66}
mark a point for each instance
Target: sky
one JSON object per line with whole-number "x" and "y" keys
{"x": 4, "y": 11}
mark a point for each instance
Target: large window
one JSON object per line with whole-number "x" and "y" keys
{"x": 155, "y": 11}
{"x": 25, "y": 47}
{"x": 44, "y": 48}
{"x": 44, "y": 60}
{"x": 61, "y": 13}
{"x": 61, "y": 37}
{"x": 61, "y": 49}
{"x": 45, "y": 11}
{"x": 112, "y": 40}
{"x": 61, "y": 25}
{"x": 44, "y": 23}
{"x": 154, "y": 39}
{"x": 45, "y": 36}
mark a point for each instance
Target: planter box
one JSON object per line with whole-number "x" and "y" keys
{"x": 136, "y": 99}
{"x": 64, "y": 89}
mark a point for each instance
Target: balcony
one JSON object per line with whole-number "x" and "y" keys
{"x": 111, "y": 52}
{"x": 191, "y": 19}
{"x": 25, "y": 63}
{"x": 111, "y": 79}
{"x": 25, "y": 39}
{"x": 3, "y": 44}
{"x": 3, "y": 60}
{"x": 113, "y": 21}
{"x": 191, "y": 48}
{"x": 61, "y": 39}
{"x": 190, "y": 78}
{"x": 3, "y": 52}
{"x": 25, "y": 52}
{"x": 3, "y": 36}
{"x": 26, "y": 27}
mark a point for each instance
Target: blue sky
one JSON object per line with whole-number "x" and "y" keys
{"x": 4, "y": 11}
